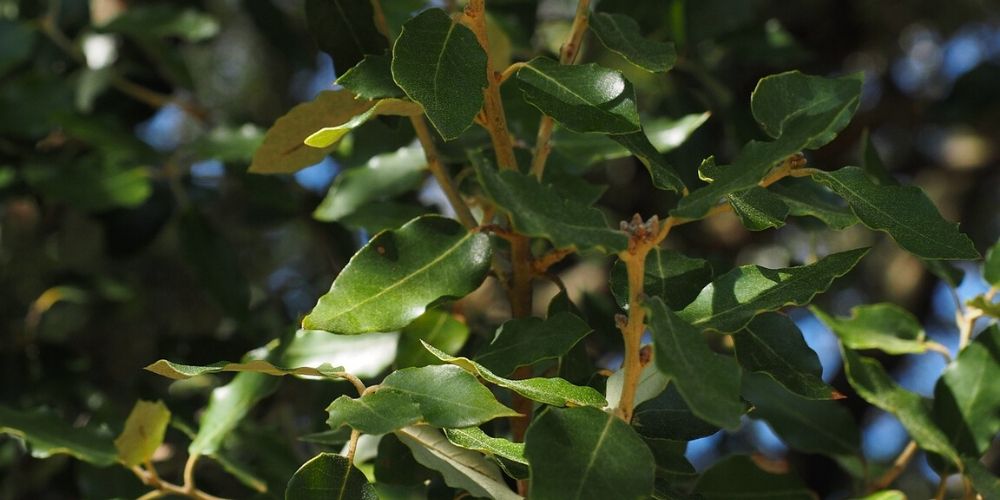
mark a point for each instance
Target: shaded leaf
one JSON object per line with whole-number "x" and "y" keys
{"x": 987, "y": 484}
{"x": 461, "y": 468}
{"x": 18, "y": 42}
{"x": 663, "y": 175}
{"x": 578, "y": 453}
{"x": 537, "y": 210}
{"x": 582, "y": 97}
{"x": 344, "y": 29}
{"x": 886, "y": 327}
{"x": 991, "y": 266}
{"x": 447, "y": 395}
{"x": 620, "y": 34}
{"x": 668, "y": 416}
{"x": 143, "y": 432}
{"x": 391, "y": 280}
{"x": 440, "y": 64}
{"x": 48, "y": 435}
{"x": 377, "y": 412}
{"x": 473, "y": 438}
{"x": 667, "y": 274}
{"x": 709, "y": 382}
{"x": 371, "y": 78}
{"x": 284, "y": 150}
{"x": 162, "y": 21}
{"x": 800, "y": 111}
{"x": 904, "y": 212}
{"x": 526, "y": 341}
{"x": 552, "y": 391}
{"x": 329, "y": 477}
{"x": 805, "y": 197}
{"x": 732, "y": 300}
{"x": 439, "y": 329}
{"x": 759, "y": 209}
{"x": 383, "y": 176}
{"x": 664, "y": 133}
{"x": 873, "y": 384}
{"x": 967, "y": 396}
{"x": 178, "y": 371}
{"x": 738, "y": 476}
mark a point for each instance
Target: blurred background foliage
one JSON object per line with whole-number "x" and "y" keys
{"x": 130, "y": 230}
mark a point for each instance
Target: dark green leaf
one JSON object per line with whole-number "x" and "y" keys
{"x": 461, "y": 468}
{"x": 872, "y": 163}
{"x": 48, "y": 435}
{"x": 759, "y": 209}
{"x": 439, "y": 329}
{"x": 886, "y": 327}
{"x": 371, "y": 78}
{"x": 284, "y": 150}
{"x": 967, "y": 396}
{"x": 739, "y": 477}
{"x": 987, "y": 484}
{"x": 447, "y": 395}
{"x": 873, "y": 384}
{"x": 16, "y": 43}
{"x": 378, "y": 412}
{"x": 377, "y": 216}
{"x": 578, "y": 453}
{"x": 329, "y": 477}
{"x": 538, "y": 210}
{"x": 991, "y": 266}
{"x": 583, "y": 98}
{"x": 668, "y": 274}
{"x": 709, "y": 382}
{"x": 393, "y": 278}
{"x": 552, "y": 391}
{"x": 345, "y": 29}
{"x": 732, "y": 300}
{"x": 93, "y": 186}
{"x": 383, "y": 176}
{"x": 663, "y": 175}
{"x": 526, "y": 341}
{"x": 800, "y": 111}
{"x": 215, "y": 262}
{"x": 904, "y": 212}
{"x": 805, "y": 424}
{"x": 620, "y": 33}
{"x": 805, "y": 197}
{"x": 772, "y": 345}
{"x": 440, "y": 64}
{"x": 161, "y": 21}
{"x": 143, "y": 432}
{"x": 473, "y": 438}
{"x": 668, "y": 416}
{"x": 664, "y": 133}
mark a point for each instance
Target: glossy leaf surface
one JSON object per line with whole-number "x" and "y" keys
{"x": 447, "y": 395}
{"x": 48, "y": 435}
{"x": 620, "y": 34}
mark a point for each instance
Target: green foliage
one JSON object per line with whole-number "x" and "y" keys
{"x": 329, "y": 476}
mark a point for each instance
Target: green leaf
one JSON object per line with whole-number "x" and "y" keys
{"x": 178, "y": 371}
{"x": 284, "y": 150}
{"x": 586, "y": 149}
{"x": 379, "y": 215}
{"x": 987, "y": 484}
{"x": 620, "y": 34}
{"x": 732, "y": 300}
{"x": 361, "y": 355}
{"x": 582, "y": 97}
{"x": 327, "y": 137}
{"x": 709, "y": 382}
{"x": 143, "y": 432}
{"x": 440, "y": 64}
{"x": 759, "y": 209}
{"x": 805, "y": 197}
{"x": 378, "y": 412}
{"x": 578, "y": 453}
{"x": 439, "y": 329}
{"x": 652, "y": 383}
{"x": 663, "y": 175}
{"x": 526, "y": 341}
{"x": 885, "y": 495}
{"x": 800, "y": 111}
{"x": 904, "y": 212}
{"x": 668, "y": 274}
{"x": 886, "y": 327}
{"x": 92, "y": 186}
{"x": 967, "y": 397}
{"x": 808, "y": 425}
{"x": 738, "y": 476}
{"x": 48, "y": 435}
{"x": 872, "y": 163}
{"x": 538, "y": 210}
{"x": 984, "y": 305}
{"x": 329, "y": 477}
{"x": 391, "y": 280}
{"x": 383, "y": 176}
{"x": 551, "y": 391}
{"x": 345, "y": 29}
{"x": 473, "y": 438}
{"x": 772, "y": 345}
{"x": 873, "y": 384}
{"x": 668, "y": 416}
{"x": 371, "y": 78}
{"x": 447, "y": 395}
{"x": 149, "y": 22}
{"x": 461, "y": 468}
{"x": 991, "y": 266}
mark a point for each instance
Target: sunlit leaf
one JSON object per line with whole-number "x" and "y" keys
{"x": 47, "y": 435}
{"x": 447, "y": 395}
{"x": 143, "y": 432}
{"x": 329, "y": 477}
